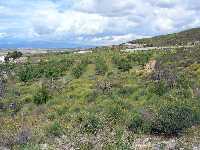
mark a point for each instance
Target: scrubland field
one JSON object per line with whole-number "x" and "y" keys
{"x": 106, "y": 99}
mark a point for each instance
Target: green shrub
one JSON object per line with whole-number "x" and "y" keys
{"x": 78, "y": 70}
{"x": 52, "y": 115}
{"x": 139, "y": 123}
{"x": 120, "y": 140}
{"x": 197, "y": 115}
{"x": 124, "y": 64}
{"x": 62, "y": 110}
{"x": 116, "y": 114}
{"x": 172, "y": 119}
{"x": 55, "y": 129}
{"x": 56, "y": 68}
{"x": 136, "y": 123}
{"x": 91, "y": 97}
{"x": 27, "y": 99}
{"x": 85, "y": 146}
{"x": 183, "y": 81}
{"x": 86, "y": 60}
{"x": 49, "y": 69}
{"x": 125, "y": 91}
{"x": 101, "y": 67}
{"x": 91, "y": 124}
{"x": 29, "y": 146}
{"x": 26, "y": 73}
{"x": 121, "y": 62}
{"x": 115, "y": 58}
{"x": 41, "y": 96}
{"x": 140, "y": 58}
{"x": 159, "y": 88}
{"x": 14, "y": 55}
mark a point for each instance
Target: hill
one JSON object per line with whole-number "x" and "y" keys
{"x": 105, "y": 99}
{"x": 182, "y": 38}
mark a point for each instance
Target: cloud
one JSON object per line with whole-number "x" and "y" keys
{"x": 93, "y": 22}
{"x": 2, "y": 35}
{"x": 115, "y": 39}
{"x": 107, "y": 8}
{"x": 67, "y": 23}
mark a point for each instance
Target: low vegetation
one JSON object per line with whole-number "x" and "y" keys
{"x": 13, "y": 55}
{"x": 188, "y": 37}
{"x": 106, "y": 99}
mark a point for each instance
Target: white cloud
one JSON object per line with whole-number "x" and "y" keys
{"x": 51, "y": 22}
{"x": 73, "y": 22}
{"x": 95, "y": 22}
{"x": 2, "y": 35}
{"x": 82, "y": 23}
{"x": 172, "y": 19}
{"x": 115, "y": 39}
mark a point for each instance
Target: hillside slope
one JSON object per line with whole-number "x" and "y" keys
{"x": 182, "y": 38}
{"x": 106, "y": 99}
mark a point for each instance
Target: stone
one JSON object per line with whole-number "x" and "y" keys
{"x": 196, "y": 148}
{"x": 156, "y": 147}
{"x": 44, "y": 146}
{"x": 13, "y": 106}
{"x": 24, "y": 136}
{"x": 171, "y": 145}
{"x": 159, "y": 146}
{"x": 4, "y": 148}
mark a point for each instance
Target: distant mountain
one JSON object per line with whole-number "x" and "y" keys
{"x": 182, "y": 38}
{"x": 40, "y": 44}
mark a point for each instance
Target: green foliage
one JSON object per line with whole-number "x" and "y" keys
{"x": 30, "y": 147}
{"x": 91, "y": 124}
{"x": 139, "y": 58}
{"x": 169, "y": 119}
{"x": 50, "y": 69}
{"x": 92, "y": 96}
{"x": 136, "y": 122}
{"x": 159, "y": 88}
{"x": 116, "y": 114}
{"x": 172, "y": 119}
{"x": 14, "y": 55}
{"x": 26, "y": 73}
{"x": 86, "y": 146}
{"x": 78, "y": 70}
{"x": 62, "y": 111}
{"x": 139, "y": 123}
{"x": 52, "y": 115}
{"x": 108, "y": 105}
{"x": 86, "y": 60}
{"x": 6, "y": 67}
{"x": 54, "y": 129}
{"x": 101, "y": 67}
{"x": 115, "y": 58}
{"x": 41, "y": 96}
{"x": 181, "y": 38}
{"x": 123, "y": 64}
{"x": 125, "y": 91}
{"x": 196, "y": 113}
{"x": 54, "y": 68}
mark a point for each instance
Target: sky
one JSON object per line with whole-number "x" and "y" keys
{"x": 86, "y": 23}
